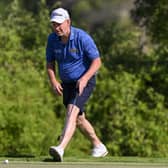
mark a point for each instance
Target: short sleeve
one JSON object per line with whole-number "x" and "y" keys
{"x": 90, "y": 48}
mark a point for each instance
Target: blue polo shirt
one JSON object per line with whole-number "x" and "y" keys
{"x": 74, "y": 57}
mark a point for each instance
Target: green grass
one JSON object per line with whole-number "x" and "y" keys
{"x": 85, "y": 162}
{"x": 90, "y": 159}
{"x": 74, "y": 162}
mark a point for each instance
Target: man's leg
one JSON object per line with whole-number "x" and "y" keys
{"x": 87, "y": 129}
{"x": 69, "y": 129}
{"x": 70, "y": 125}
{"x": 99, "y": 149}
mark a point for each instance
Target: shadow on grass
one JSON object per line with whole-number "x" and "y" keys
{"x": 50, "y": 160}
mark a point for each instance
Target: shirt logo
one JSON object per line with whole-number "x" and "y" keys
{"x": 56, "y": 14}
{"x": 73, "y": 50}
{"x": 58, "y": 51}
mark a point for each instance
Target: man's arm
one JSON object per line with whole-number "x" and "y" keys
{"x": 94, "y": 67}
{"x": 52, "y": 76}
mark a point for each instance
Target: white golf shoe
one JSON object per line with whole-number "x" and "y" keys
{"x": 57, "y": 153}
{"x": 99, "y": 151}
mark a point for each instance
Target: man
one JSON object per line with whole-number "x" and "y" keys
{"x": 78, "y": 61}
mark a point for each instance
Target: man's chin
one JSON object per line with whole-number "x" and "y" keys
{"x": 59, "y": 34}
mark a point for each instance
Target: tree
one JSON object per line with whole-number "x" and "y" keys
{"x": 153, "y": 15}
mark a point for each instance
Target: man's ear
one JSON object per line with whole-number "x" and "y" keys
{"x": 69, "y": 21}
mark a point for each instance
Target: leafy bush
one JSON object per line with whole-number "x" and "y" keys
{"x": 128, "y": 108}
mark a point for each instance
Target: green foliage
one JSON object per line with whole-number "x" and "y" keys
{"x": 25, "y": 112}
{"x": 27, "y": 119}
{"x": 153, "y": 14}
{"x": 130, "y": 125}
{"x": 128, "y": 108}
{"x": 119, "y": 46}
{"x": 132, "y": 97}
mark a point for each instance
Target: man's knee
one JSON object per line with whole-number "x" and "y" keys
{"x": 80, "y": 120}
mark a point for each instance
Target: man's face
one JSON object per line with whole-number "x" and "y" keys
{"x": 61, "y": 29}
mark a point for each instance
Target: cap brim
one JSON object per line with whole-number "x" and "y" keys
{"x": 57, "y": 19}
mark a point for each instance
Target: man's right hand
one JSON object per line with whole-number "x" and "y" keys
{"x": 57, "y": 88}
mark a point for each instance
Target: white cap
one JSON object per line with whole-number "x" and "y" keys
{"x": 59, "y": 15}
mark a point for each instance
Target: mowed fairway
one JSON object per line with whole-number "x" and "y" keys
{"x": 80, "y": 165}
{"x": 108, "y": 162}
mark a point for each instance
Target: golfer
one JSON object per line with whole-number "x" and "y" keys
{"x": 78, "y": 60}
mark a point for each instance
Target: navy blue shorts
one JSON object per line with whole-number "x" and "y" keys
{"x": 70, "y": 94}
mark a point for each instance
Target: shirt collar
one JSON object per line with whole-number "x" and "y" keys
{"x": 72, "y": 33}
